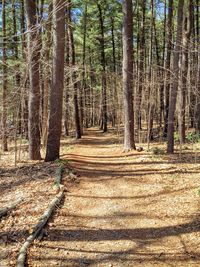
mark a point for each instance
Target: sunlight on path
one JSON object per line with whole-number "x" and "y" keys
{"x": 126, "y": 211}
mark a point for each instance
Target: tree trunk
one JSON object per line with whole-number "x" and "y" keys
{"x": 74, "y": 76}
{"x": 175, "y": 81}
{"x": 25, "y": 82}
{"x": 167, "y": 65}
{"x": 197, "y": 109}
{"x": 84, "y": 92}
{"x": 4, "y": 72}
{"x": 185, "y": 63}
{"x": 45, "y": 102}
{"x": 103, "y": 70}
{"x": 115, "y": 93}
{"x": 141, "y": 66}
{"x": 56, "y": 95}
{"x": 34, "y": 76}
{"x": 66, "y": 112}
{"x": 17, "y": 75}
{"x": 127, "y": 36}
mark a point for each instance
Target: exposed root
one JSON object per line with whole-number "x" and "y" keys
{"x": 5, "y": 210}
{"x": 43, "y": 219}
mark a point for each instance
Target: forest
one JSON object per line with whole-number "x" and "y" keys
{"x": 100, "y": 133}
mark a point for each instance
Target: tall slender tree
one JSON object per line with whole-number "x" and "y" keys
{"x": 56, "y": 94}
{"x": 103, "y": 69}
{"x": 4, "y": 72}
{"x": 175, "y": 80}
{"x": 127, "y": 37}
{"x": 141, "y": 65}
{"x": 168, "y": 63}
{"x": 34, "y": 77}
{"x": 72, "y": 62}
{"x": 185, "y": 64}
{"x": 46, "y": 87}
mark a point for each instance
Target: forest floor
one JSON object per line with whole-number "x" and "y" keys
{"x": 123, "y": 209}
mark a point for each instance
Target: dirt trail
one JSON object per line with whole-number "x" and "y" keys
{"x": 127, "y": 210}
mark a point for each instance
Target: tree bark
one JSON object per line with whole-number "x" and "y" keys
{"x": 4, "y": 72}
{"x": 56, "y": 95}
{"x": 185, "y": 64}
{"x": 74, "y": 75}
{"x": 47, "y": 82}
{"x": 175, "y": 81}
{"x": 127, "y": 37}
{"x": 103, "y": 70}
{"x": 141, "y": 65}
{"x": 167, "y": 65}
{"x": 84, "y": 96}
{"x": 115, "y": 92}
{"x": 34, "y": 76}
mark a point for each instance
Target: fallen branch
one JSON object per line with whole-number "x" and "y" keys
{"x": 5, "y": 210}
{"x": 43, "y": 219}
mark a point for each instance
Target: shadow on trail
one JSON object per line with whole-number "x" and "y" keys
{"x": 141, "y": 236}
{"x": 157, "y": 194}
{"x": 148, "y": 234}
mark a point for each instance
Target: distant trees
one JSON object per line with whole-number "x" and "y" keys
{"x": 147, "y": 74}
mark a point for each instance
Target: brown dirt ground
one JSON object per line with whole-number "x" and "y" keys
{"x": 133, "y": 209}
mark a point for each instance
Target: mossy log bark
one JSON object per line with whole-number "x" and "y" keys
{"x": 5, "y": 210}
{"x": 57, "y": 181}
{"x": 43, "y": 219}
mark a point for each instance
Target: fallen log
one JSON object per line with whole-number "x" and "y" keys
{"x": 43, "y": 219}
{"x": 58, "y": 176}
{"x": 5, "y": 210}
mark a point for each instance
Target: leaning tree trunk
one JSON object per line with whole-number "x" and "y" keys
{"x": 56, "y": 94}
{"x": 129, "y": 142}
{"x": 34, "y": 76}
{"x": 175, "y": 81}
{"x": 4, "y": 72}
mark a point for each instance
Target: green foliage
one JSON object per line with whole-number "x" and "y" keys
{"x": 193, "y": 138}
{"x": 198, "y": 192}
{"x": 176, "y": 137}
{"x": 61, "y": 161}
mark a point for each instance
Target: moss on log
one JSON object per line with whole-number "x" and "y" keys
{"x": 43, "y": 219}
{"x": 5, "y": 210}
